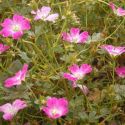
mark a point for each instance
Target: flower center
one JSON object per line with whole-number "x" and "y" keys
{"x": 78, "y": 75}
{"x": 12, "y": 111}
{"x": 115, "y": 50}
{"x": 16, "y": 27}
{"x": 75, "y": 39}
{"x": 54, "y": 111}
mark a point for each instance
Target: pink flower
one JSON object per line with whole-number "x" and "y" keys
{"x": 112, "y": 50}
{"x": 3, "y": 48}
{"x": 18, "y": 78}
{"x": 78, "y": 73}
{"x": 44, "y": 14}
{"x": 14, "y": 27}
{"x": 120, "y": 71}
{"x": 56, "y": 108}
{"x": 75, "y": 36}
{"x": 10, "y": 110}
{"x": 119, "y": 12}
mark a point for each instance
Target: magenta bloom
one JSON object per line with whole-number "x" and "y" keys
{"x": 10, "y": 110}
{"x": 78, "y": 73}
{"x": 120, "y": 71}
{"x": 56, "y": 108}
{"x": 14, "y": 27}
{"x": 112, "y": 50}
{"x": 75, "y": 36}
{"x": 3, "y": 48}
{"x": 18, "y": 78}
{"x": 44, "y": 14}
{"x": 118, "y": 11}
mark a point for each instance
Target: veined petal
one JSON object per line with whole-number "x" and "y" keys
{"x": 83, "y": 37}
{"x": 85, "y": 68}
{"x": 74, "y": 32}
{"x": 74, "y": 68}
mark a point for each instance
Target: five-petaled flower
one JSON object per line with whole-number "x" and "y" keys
{"x": 120, "y": 71}
{"x": 113, "y": 50}
{"x": 18, "y": 78}
{"x": 14, "y": 27}
{"x": 44, "y": 14}
{"x": 10, "y": 110}
{"x": 3, "y": 48}
{"x": 118, "y": 11}
{"x": 56, "y": 107}
{"x": 75, "y": 36}
{"x": 78, "y": 73}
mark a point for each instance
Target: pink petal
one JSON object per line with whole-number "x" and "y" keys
{"x": 121, "y": 11}
{"x": 17, "y": 35}
{"x": 69, "y": 77}
{"x": 19, "y": 104}
{"x": 83, "y": 37}
{"x": 52, "y": 17}
{"x": 66, "y": 37}
{"x": 24, "y": 71}
{"x": 17, "y": 18}
{"x": 74, "y": 31}
{"x": 52, "y": 101}
{"x": 112, "y": 6}
{"x": 120, "y": 71}
{"x": 6, "y": 32}
{"x": 74, "y": 68}
{"x": 85, "y": 68}
{"x": 8, "y": 117}
{"x": 12, "y": 81}
{"x": 7, "y": 22}
{"x": 5, "y": 108}
{"x": 3, "y": 48}
{"x": 45, "y": 10}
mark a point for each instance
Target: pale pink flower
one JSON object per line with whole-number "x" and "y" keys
{"x": 14, "y": 27}
{"x": 10, "y": 110}
{"x": 113, "y": 50}
{"x": 75, "y": 36}
{"x": 118, "y": 11}
{"x": 56, "y": 108}
{"x": 78, "y": 73}
{"x": 17, "y": 78}
{"x": 120, "y": 71}
{"x": 44, "y": 14}
{"x": 3, "y": 48}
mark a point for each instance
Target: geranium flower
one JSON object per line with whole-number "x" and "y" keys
{"x": 56, "y": 108}
{"x": 14, "y": 27}
{"x": 112, "y": 50}
{"x": 118, "y": 11}
{"x": 3, "y": 48}
{"x": 78, "y": 73}
{"x": 75, "y": 36}
{"x": 10, "y": 110}
{"x": 18, "y": 78}
{"x": 120, "y": 71}
{"x": 44, "y": 14}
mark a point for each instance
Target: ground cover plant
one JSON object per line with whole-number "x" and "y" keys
{"x": 62, "y": 62}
